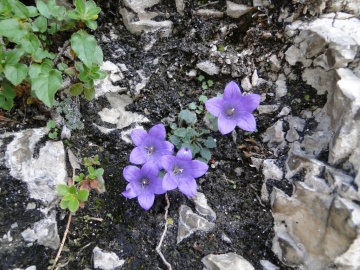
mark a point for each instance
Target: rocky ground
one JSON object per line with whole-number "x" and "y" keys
{"x": 155, "y": 52}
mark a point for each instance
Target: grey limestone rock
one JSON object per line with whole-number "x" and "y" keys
{"x": 228, "y": 261}
{"x": 208, "y": 67}
{"x": 235, "y": 10}
{"x": 105, "y": 260}
{"x": 202, "y": 206}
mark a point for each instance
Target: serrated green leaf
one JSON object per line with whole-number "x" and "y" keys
{"x": 80, "y": 6}
{"x": 85, "y": 46}
{"x": 62, "y": 189}
{"x": 19, "y": 9}
{"x": 30, "y": 43}
{"x": 39, "y": 24}
{"x": 91, "y": 24}
{"x": 188, "y": 116}
{"x": 76, "y": 89}
{"x": 15, "y": 73}
{"x": 73, "y": 204}
{"x": 11, "y": 28}
{"x": 89, "y": 93}
{"x": 82, "y": 195}
{"x": 210, "y": 142}
{"x": 205, "y": 153}
{"x": 46, "y": 85}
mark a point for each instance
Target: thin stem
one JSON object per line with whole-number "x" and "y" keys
{"x": 66, "y": 44}
{"x": 164, "y": 232}
{"x": 63, "y": 241}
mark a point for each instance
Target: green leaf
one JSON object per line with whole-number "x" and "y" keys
{"x": 43, "y": 9}
{"x": 62, "y": 189}
{"x": 76, "y": 89}
{"x": 39, "y": 24}
{"x": 73, "y": 204}
{"x": 64, "y": 204}
{"x": 91, "y": 24}
{"x": 91, "y": 170}
{"x": 205, "y": 153}
{"x": 180, "y": 132}
{"x": 72, "y": 189}
{"x": 19, "y": 9}
{"x": 80, "y": 6}
{"x": 62, "y": 66}
{"x": 174, "y": 140}
{"x": 51, "y": 124}
{"x": 204, "y": 86}
{"x": 34, "y": 70}
{"x": 53, "y": 135}
{"x": 203, "y": 98}
{"x": 11, "y": 28}
{"x": 82, "y": 195}
{"x": 99, "y": 172}
{"x": 98, "y": 56}
{"x": 73, "y": 14}
{"x": 210, "y": 83}
{"x": 201, "y": 78}
{"x": 16, "y": 73}
{"x": 192, "y": 106}
{"x": 7, "y": 95}
{"x": 46, "y": 85}
{"x": 30, "y": 43}
{"x": 210, "y": 142}
{"x": 32, "y": 11}
{"x": 85, "y": 46}
{"x": 12, "y": 57}
{"x": 89, "y": 93}
{"x": 102, "y": 75}
{"x": 188, "y": 116}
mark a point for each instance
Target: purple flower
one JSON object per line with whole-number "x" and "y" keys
{"x": 181, "y": 171}
{"x": 150, "y": 147}
{"x": 143, "y": 184}
{"x": 233, "y": 109}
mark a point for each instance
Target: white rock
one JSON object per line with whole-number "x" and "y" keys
{"x": 105, "y": 260}
{"x": 284, "y": 111}
{"x": 235, "y": 10}
{"x": 271, "y": 170}
{"x": 268, "y": 265}
{"x": 281, "y": 89}
{"x": 266, "y": 109}
{"x": 229, "y": 261}
{"x": 208, "y": 67}
{"x": 246, "y": 84}
{"x": 274, "y": 136}
{"x": 275, "y": 63}
{"x": 202, "y": 206}
{"x": 209, "y": 13}
{"x": 180, "y": 5}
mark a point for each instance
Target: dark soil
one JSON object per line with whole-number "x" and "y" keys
{"x": 127, "y": 229}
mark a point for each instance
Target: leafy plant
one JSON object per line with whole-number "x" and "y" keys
{"x": 54, "y": 132}
{"x": 190, "y": 136}
{"x": 72, "y": 197}
{"x": 70, "y": 109}
{"x": 28, "y": 33}
{"x": 205, "y": 83}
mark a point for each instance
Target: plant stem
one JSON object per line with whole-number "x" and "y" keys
{"x": 164, "y": 232}
{"x": 63, "y": 241}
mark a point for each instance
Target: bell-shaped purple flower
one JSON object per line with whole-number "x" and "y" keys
{"x": 181, "y": 171}
{"x": 143, "y": 184}
{"x": 233, "y": 109}
{"x": 150, "y": 147}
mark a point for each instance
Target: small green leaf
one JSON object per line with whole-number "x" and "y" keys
{"x": 80, "y": 6}
{"x": 201, "y": 78}
{"x": 102, "y": 74}
{"x": 16, "y": 73}
{"x": 73, "y": 204}
{"x": 210, "y": 83}
{"x": 76, "y": 89}
{"x": 82, "y": 195}
{"x": 203, "y": 98}
{"x": 180, "y": 132}
{"x": 12, "y": 57}
{"x": 40, "y": 54}
{"x": 85, "y": 46}
{"x": 99, "y": 172}
{"x": 91, "y": 24}
{"x": 173, "y": 126}
{"x": 307, "y": 97}
{"x": 174, "y": 140}
{"x": 72, "y": 189}
{"x": 89, "y": 93}
{"x": 62, "y": 189}
{"x": 62, "y": 66}
{"x": 210, "y": 142}
{"x": 30, "y": 43}
{"x": 91, "y": 170}
{"x": 192, "y": 106}
{"x": 51, "y": 124}
{"x": 205, "y": 153}
{"x": 53, "y": 135}
{"x": 19, "y": 9}
{"x": 64, "y": 204}
{"x": 204, "y": 86}
{"x": 188, "y": 116}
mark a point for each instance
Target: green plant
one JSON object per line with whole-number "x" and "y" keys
{"x": 72, "y": 197}
{"x": 190, "y": 135}
{"x": 28, "y": 56}
{"x": 70, "y": 109}
{"x": 205, "y": 83}
{"x": 54, "y": 132}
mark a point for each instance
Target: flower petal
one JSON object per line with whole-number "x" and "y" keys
{"x": 226, "y": 125}
{"x": 149, "y": 170}
{"x": 232, "y": 91}
{"x": 137, "y": 156}
{"x": 158, "y": 132}
{"x": 247, "y": 122}
{"x": 138, "y": 136}
{"x": 214, "y": 106}
{"x": 129, "y": 192}
{"x": 250, "y": 102}
{"x": 156, "y": 186}
{"x": 184, "y": 153}
{"x": 131, "y": 173}
{"x": 188, "y": 187}
{"x": 168, "y": 182}
{"x": 146, "y": 200}
{"x": 199, "y": 168}
{"x": 168, "y": 162}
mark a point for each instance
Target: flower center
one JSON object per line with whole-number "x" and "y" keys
{"x": 230, "y": 111}
{"x": 144, "y": 182}
{"x": 151, "y": 150}
{"x": 177, "y": 170}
